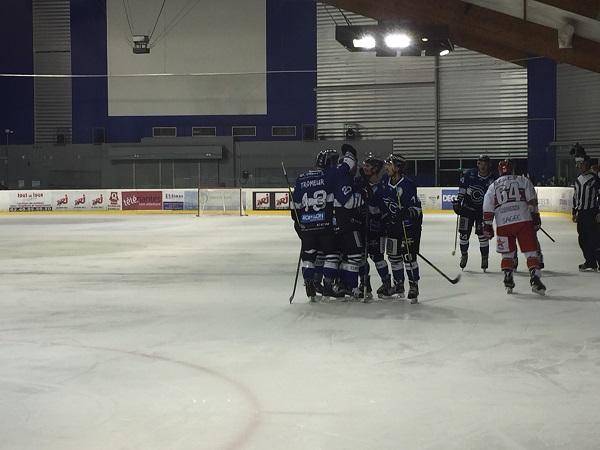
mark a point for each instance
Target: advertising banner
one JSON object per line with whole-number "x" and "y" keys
{"x": 282, "y": 200}
{"x": 27, "y": 201}
{"x": 173, "y": 200}
{"x": 78, "y": 200}
{"x": 429, "y": 197}
{"x": 141, "y": 200}
{"x": 262, "y": 200}
{"x": 448, "y": 195}
{"x": 114, "y": 201}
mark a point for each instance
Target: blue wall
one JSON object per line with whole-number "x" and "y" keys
{"x": 291, "y": 98}
{"x": 16, "y": 53}
{"x": 541, "y": 115}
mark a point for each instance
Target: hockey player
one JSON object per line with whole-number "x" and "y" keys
{"x": 473, "y": 185}
{"x": 512, "y": 201}
{"x": 370, "y": 177}
{"x": 313, "y": 220}
{"x": 403, "y": 218}
{"x": 348, "y": 221}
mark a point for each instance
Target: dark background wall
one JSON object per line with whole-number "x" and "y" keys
{"x": 16, "y": 56}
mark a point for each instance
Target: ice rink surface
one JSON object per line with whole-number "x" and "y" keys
{"x": 175, "y": 332}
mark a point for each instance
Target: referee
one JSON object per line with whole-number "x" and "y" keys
{"x": 586, "y": 211}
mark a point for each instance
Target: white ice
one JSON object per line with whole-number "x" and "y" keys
{"x": 175, "y": 332}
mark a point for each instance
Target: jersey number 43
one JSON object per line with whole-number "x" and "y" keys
{"x": 316, "y": 203}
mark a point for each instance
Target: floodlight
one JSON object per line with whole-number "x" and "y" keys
{"x": 398, "y": 40}
{"x": 445, "y": 52}
{"x": 366, "y": 41}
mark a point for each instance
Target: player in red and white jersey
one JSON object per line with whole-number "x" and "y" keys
{"x": 512, "y": 201}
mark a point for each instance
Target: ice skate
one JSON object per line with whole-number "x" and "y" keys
{"x": 463, "y": 260}
{"x": 385, "y": 290}
{"x": 413, "y": 292}
{"x": 311, "y": 292}
{"x": 509, "y": 282}
{"x": 399, "y": 289}
{"x": 586, "y": 267}
{"x": 484, "y": 263}
{"x": 537, "y": 286}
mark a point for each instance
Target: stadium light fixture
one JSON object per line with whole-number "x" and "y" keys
{"x": 445, "y": 52}
{"x": 367, "y": 41}
{"x": 398, "y": 40}
{"x": 424, "y": 39}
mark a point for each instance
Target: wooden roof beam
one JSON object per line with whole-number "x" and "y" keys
{"x": 490, "y": 27}
{"x": 585, "y": 8}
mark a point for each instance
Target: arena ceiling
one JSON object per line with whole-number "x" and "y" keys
{"x": 512, "y": 30}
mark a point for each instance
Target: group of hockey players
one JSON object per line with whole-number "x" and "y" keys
{"x": 345, "y": 214}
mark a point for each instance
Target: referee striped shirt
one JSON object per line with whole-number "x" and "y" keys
{"x": 587, "y": 187}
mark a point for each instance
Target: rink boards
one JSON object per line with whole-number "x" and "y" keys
{"x": 268, "y": 201}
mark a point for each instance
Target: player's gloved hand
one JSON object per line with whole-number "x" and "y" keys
{"x": 537, "y": 221}
{"x": 488, "y": 231}
{"x": 409, "y": 213}
{"x": 348, "y": 149}
{"x": 456, "y": 206}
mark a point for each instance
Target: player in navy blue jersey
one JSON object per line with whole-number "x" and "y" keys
{"x": 370, "y": 177}
{"x": 472, "y": 187}
{"x": 403, "y": 218}
{"x": 313, "y": 202}
{"x": 348, "y": 221}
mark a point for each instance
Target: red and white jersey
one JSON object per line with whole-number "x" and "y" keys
{"x": 510, "y": 199}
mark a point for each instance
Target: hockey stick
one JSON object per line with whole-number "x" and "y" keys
{"x": 549, "y": 237}
{"x": 451, "y": 280}
{"x": 457, "y": 222}
{"x": 296, "y": 279}
{"x": 293, "y": 204}
{"x": 455, "y": 235}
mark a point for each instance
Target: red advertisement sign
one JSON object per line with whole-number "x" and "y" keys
{"x": 142, "y": 200}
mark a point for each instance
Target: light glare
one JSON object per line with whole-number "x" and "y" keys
{"x": 367, "y": 42}
{"x": 444, "y": 52}
{"x": 398, "y": 40}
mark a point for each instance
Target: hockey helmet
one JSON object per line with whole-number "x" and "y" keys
{"x": 373, "y": 161}
{"x": 327, "y": 158}
{"x": 505, "y": 167}
{"x": 397, "y": 160}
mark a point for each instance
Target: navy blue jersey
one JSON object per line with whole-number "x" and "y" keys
{"x": 347, "y": 191}
{"x": 313, "y": 199}
{"x": 394, "y": 198}
{"x": 472, "y": 188}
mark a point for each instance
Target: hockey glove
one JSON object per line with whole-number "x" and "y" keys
{"x": 488, "y": 231}
{"x": 347, "y": 148}
{"x": 456, "y": 206}
{"x": 537, "y": 221}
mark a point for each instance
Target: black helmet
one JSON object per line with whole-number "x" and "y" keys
{"x": 397, "y": 160}
{"x": 327, "y": 158}
{"x": 373, "y": 161}
{"x": 485, "y": 158}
